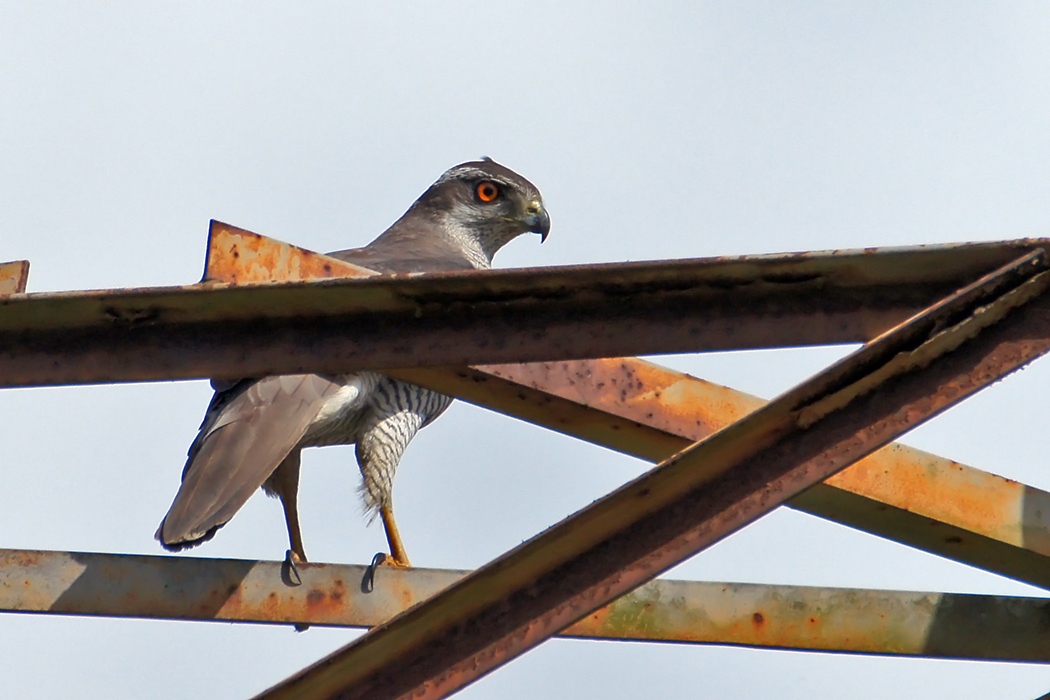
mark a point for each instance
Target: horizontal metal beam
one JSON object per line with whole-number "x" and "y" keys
{"x": 892, "y": 384}
{"x": 900, "y": 623}
{"x": 213, "y": 330}
{"x": 901, "y": 493}
{"x": 13, "y": 277}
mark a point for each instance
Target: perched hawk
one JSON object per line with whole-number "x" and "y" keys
{"x": 255, "y": 429}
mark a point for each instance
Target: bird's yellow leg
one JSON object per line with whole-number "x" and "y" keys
{"x": 397, "y": 557}
{"x": 286, "y": 482}
{"x": 295, "y": 537}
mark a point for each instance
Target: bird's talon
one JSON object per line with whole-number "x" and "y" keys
{"x": 291, "y": 570}
{"x": 369, "y": 579}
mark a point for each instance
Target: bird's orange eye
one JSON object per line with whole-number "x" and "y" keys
{"x": 487, "y": 191}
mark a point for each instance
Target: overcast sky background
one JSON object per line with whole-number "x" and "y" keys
{"x": 680, "y": 130}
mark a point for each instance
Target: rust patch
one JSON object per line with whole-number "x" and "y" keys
{"x": 939, "y": 488}
{"x": 897, "y": 476}
{"x": 237, "y": 256}
{"x": 22, "y": 558}
{"x": 13, "y": 277}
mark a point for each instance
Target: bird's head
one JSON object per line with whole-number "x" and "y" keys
{"x": 486, "y": 204}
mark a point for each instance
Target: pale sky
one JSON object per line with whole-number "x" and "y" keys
{"x": 679, "y": 130}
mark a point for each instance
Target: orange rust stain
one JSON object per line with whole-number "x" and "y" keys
{"x": 693, "y": 408}
{"x": 592, "y": 625}
{"x": 25, "y": 559}
{"x": 639, "y": 391}
{"x": 324, "y": 603}
{"x": 272, "y": 607}
{"x": 232, "y": 605}
{"x": 938, "y": 488}
{"x": 13, "y": 277}
{"x": 236, "y": 256}
{"x": 404, "y": 594}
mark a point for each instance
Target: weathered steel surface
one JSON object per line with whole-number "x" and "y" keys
{"x": 212, "y": 330}
{"x": 892, "y": 384}
{"x": 901, "y": 493}
{"x": 932, "y": 625}
{"x": 652, "y": 412}
{"x": 13, "y": 277}
{"x": 236, "y": 256}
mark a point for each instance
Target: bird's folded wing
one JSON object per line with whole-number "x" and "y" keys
{"x": 243, "y": 439}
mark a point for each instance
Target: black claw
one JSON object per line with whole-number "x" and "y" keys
{"x": 369, "y": 579}
{"x": 289, "y": 571}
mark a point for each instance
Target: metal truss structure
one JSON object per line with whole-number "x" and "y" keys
{"x": 938, "y": 324}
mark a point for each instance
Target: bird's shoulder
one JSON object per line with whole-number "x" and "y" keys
{"x": 422, "y": 255}
{"x": 415, "y": 243}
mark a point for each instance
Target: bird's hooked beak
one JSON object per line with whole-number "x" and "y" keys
{"x": 537, "y": 219}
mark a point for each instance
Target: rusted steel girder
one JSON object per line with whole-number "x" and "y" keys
{"x": 648, "y": 411}
{"x": 13, "y": 277}
{"x": 890, "y": 385}
{"x": 900, "y": 493}
{"x": 902, "y": 623}
{"x": 459, "y": 318}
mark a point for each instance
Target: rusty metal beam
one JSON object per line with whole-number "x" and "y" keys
{"x": 648, "y": 411}
{"x": 901, "y": 493}
{"x": 897, "y": 381}
{"x": 213, "y": 330}
{"x": 13, "y": 277}
{"x": 902, "y": 623}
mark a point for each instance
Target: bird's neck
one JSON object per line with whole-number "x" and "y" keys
{"x": 475, "y": 248}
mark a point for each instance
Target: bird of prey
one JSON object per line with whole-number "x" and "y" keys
{"x": 255, "y": 429}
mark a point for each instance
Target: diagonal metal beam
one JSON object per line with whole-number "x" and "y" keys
{"x": 897, "y": 381}
{"x": 648, "y": 411}
{"x": 900, "y": 493}
{"x": 13, "y": 277}
{"x": 460, "y": 318}
{"x": 900, "y": 623}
